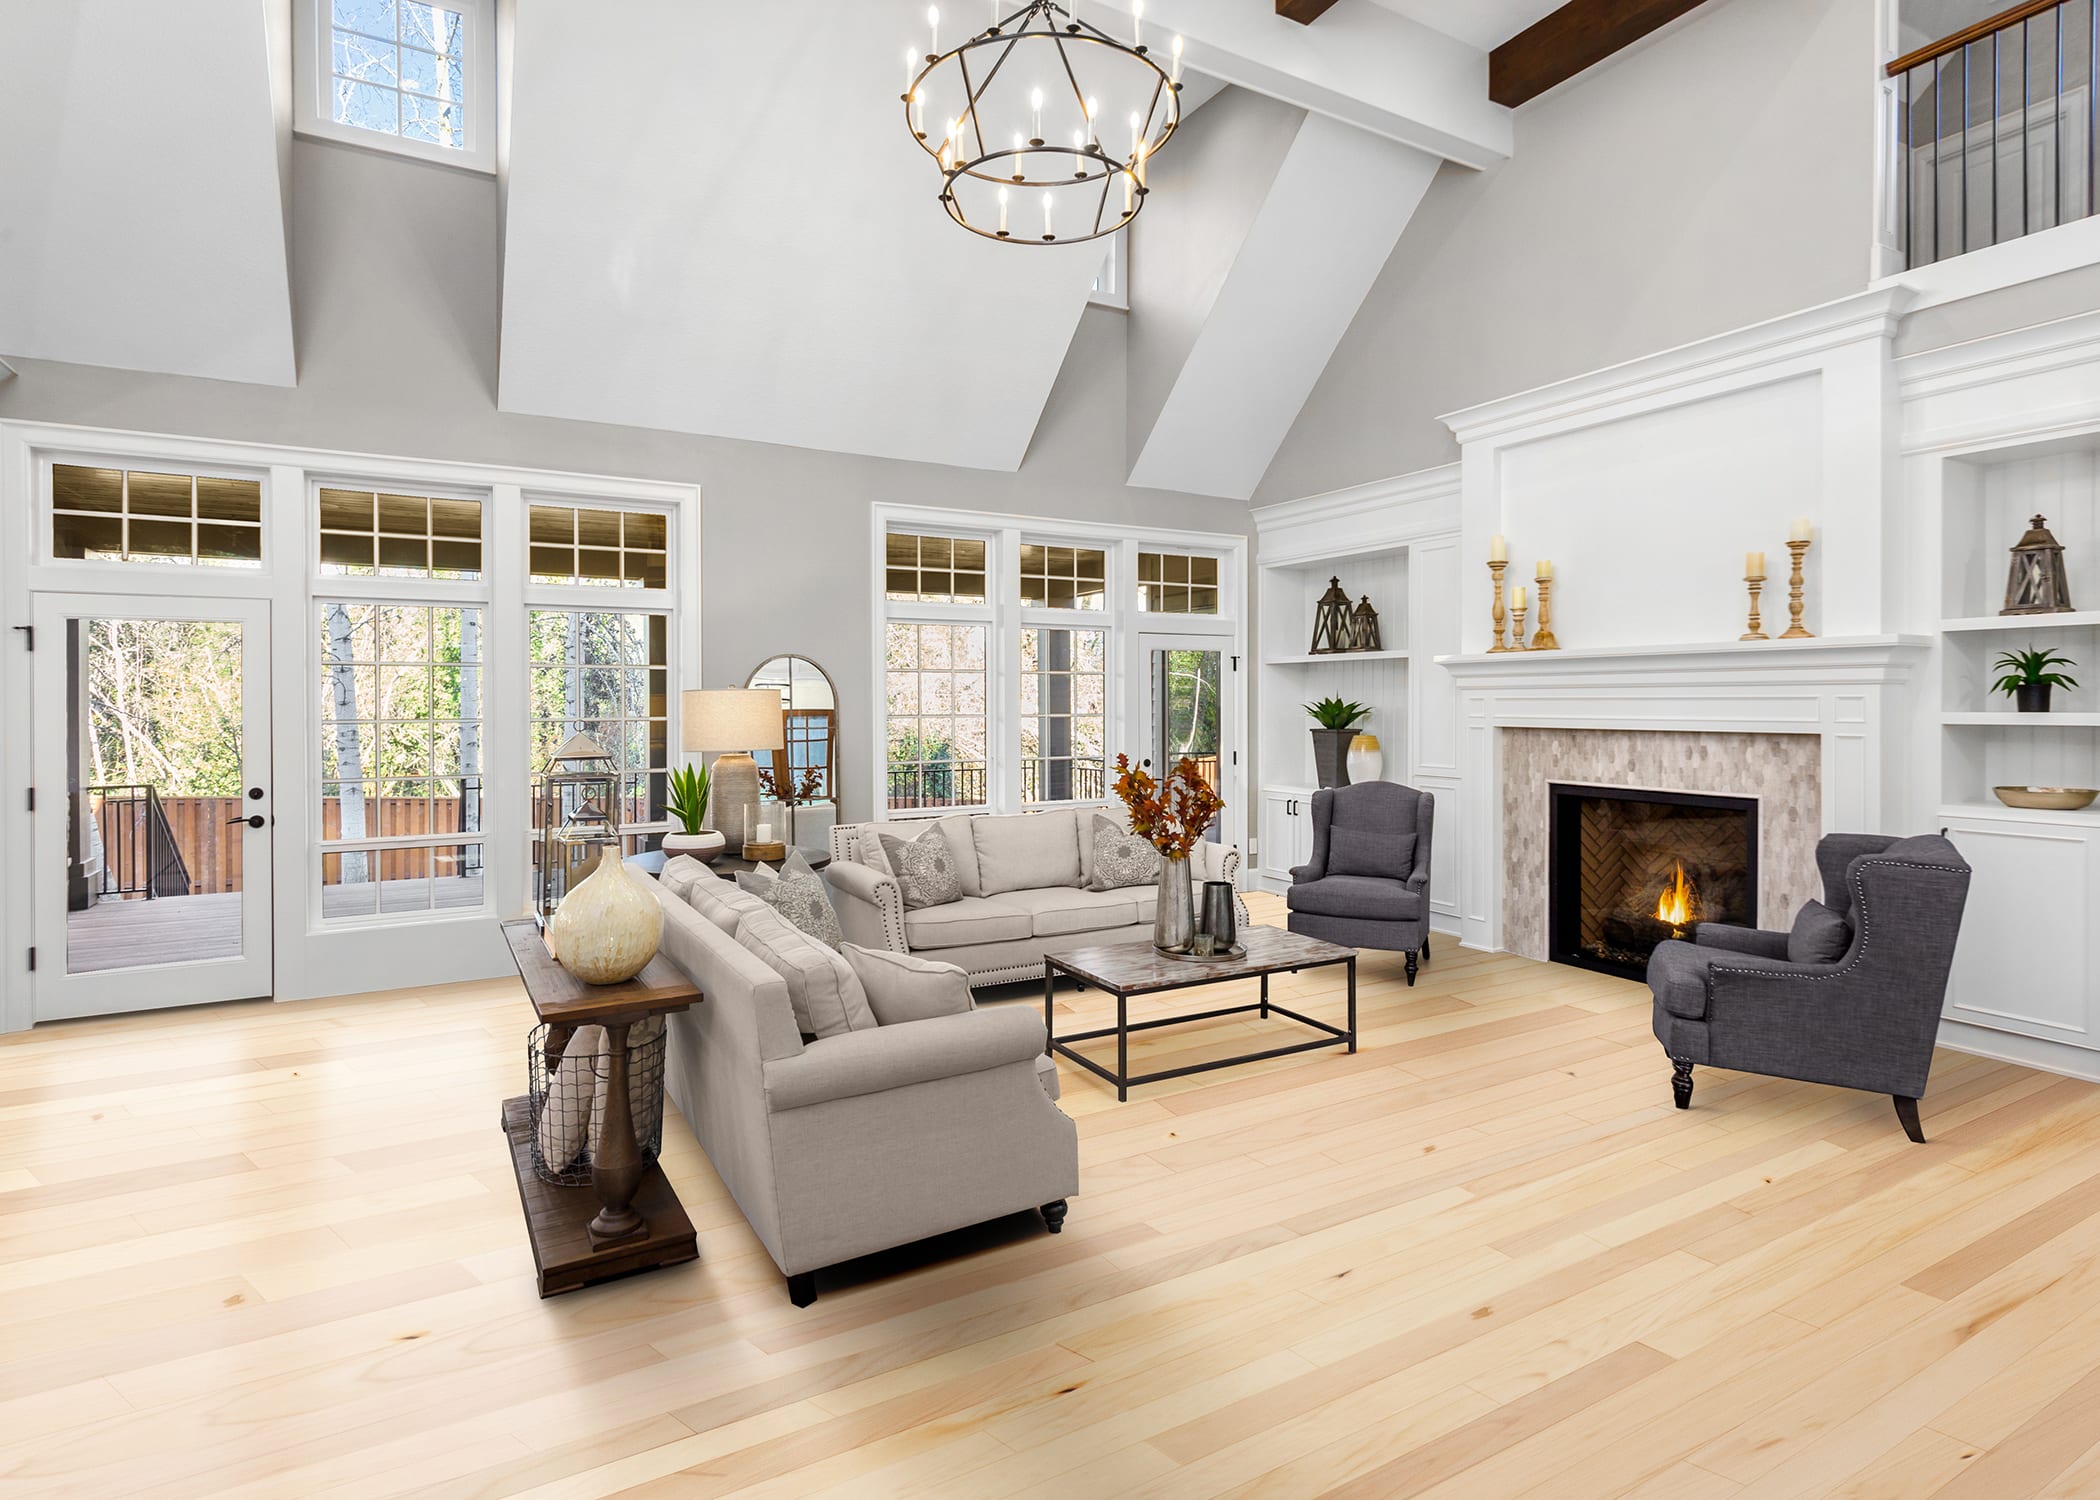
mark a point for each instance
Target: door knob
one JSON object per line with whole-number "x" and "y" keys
{"x": 255, "y": 794}
{"x": 254, "y": 822}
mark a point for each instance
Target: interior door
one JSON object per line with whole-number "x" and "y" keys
{"x": 152, "y": 812}
{"x": 1192, "y": 701}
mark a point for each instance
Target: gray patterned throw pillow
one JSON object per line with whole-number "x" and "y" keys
{"x": 1121, "y": 858}
{"x": 797, "y": 893}
{"x": 924, "y": 874}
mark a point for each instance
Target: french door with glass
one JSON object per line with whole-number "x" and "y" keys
{"x": 152, "y": 802}
{"x": 1191, "y": 701}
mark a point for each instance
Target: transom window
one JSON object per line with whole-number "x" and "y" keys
{"x": 366, "y": 533}
{"x": 607, "y": 548}
{"x": 1176, "y": 583}
{"x": 606, "y": 675}
{"x": 934, "y": 569}
{"x": 131, "y": 515}
{"x": 1054, "y": 577}
{"x": 398, "y": 67}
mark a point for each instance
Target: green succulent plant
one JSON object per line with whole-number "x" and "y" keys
{"x": 1334, "y": 713}
{"x": 2032, "y": 668}
{"x": 686, "y": 798}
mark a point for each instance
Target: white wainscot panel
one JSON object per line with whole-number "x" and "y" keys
{"x": 1446, "y": 842}
{"x": 1434, "y": 632}
{"x": 2025, "y": 960}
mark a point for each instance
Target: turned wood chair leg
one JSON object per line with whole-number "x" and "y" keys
{"x": 1054, "y": 1215}
{"x": 802, "y": 1288}
{"x": 1907, "y": 1112}
{"x": 1681, "y": 1081}
{"x": 1425, "y": 950}
{"x": 1410, "y": 966}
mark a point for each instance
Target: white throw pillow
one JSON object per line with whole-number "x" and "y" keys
{"x": 823, "y": 989}
{"x": 904, "y": 987}
{"x": 1027, "y": 851}
{"x": 797, "y": 892}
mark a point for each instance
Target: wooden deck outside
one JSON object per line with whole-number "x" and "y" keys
{"x": 193, "y": 929}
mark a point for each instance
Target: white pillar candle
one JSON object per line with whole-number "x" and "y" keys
{"x": 1498, "y": 549}
{"x": 1545, "y": 573}
{"x": 1753, "y": 564}
{"x": 1517, "y": 598}
{"x": 765, "y": 834}
{"x": 1802, "y": 530}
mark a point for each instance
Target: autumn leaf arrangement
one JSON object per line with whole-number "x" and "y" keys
{"x": 1170, "y": 813}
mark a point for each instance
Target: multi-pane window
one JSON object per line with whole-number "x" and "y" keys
{"x": 1064, "y": 715}
{"x": 606, "y": 675}
{"x": 1175, "y": 583}
{"x": 399, "y": 67}
{"x": 130, "y": 515}
{"x": 608, "y": 548}
{"x": 366, "y": 533}
{"x": 1055, "y": 577}
{"x": 934, "y": 569}
{"x": 935, "y": 684}
{"x": 400, "y": 758}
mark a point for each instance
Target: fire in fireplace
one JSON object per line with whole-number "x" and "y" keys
{"x": 1628, "y": 869}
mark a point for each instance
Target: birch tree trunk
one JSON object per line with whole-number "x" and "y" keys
{"x": 349, "y": 749}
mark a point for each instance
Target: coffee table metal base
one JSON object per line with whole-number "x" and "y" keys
{"x": 1335, "y": 1036}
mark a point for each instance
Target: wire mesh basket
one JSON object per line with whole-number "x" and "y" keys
{"x": 567, "y": 1070}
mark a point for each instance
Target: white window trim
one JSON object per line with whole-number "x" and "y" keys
{"x": 1112, "y": 287}
{"x": 1124, "y": 622}
{"x": 313, "y": 68}
{"x": 998, "y": 577}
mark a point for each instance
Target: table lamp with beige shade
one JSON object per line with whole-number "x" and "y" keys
{"x": 735, "y": 722}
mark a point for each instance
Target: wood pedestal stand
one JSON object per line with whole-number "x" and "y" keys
{"x": 628, "y": 1219}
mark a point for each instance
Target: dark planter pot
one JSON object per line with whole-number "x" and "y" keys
{"x": 2032, "y": 698}
{"x": 1331, "y": 755}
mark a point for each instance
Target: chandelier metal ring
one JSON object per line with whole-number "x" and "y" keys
{"x": 963, "y": 145}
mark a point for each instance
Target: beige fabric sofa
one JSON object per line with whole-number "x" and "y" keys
{"x": 1023, "y": 878}
{"x": 858, "y": 1142}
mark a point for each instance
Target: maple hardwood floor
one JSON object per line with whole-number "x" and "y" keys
{"x": 262, "y": 1250}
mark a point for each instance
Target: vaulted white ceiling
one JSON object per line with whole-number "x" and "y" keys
{"x": 1485, "y": 24}
{"x": 141, "y": 196}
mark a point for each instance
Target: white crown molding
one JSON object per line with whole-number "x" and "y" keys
{"x": 1819, "y": 662}
{"x": 1676, "y": 373}
{"x": 2033, "y": 350}
{"x": 1373, "y": 502}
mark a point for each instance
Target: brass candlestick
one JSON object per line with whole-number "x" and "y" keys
{"x": 1757, "y": 586}
{"x": 1796, "y": 631}
{"x": 1517, "y": 614}
{"x": 1500, "y": 616}
{"x": 1543, "y": 638}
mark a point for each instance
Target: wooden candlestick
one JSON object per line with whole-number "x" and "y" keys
{"x": 1796, "y": 631}
{"x": 1757, "y": 586}
{"x": 1543, "y": 638}
{"x": 1517, "y": 614}
{"x": 1500, "y": 616}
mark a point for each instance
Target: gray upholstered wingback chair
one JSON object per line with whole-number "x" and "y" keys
{"x": 1367, "y": 884}
{"x": 1863, "y": 1019}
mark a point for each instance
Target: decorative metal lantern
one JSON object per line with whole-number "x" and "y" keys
{"x": 1363, "y": 628}
{"x": 576, "y": 796}
{"x": 1333, "y": 628}
{"x": 2037, "y": 585}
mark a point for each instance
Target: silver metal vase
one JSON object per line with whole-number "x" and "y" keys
{"x": 1174, "y": 920}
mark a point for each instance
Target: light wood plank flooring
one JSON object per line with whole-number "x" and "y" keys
{"x": 266, "y": 1251}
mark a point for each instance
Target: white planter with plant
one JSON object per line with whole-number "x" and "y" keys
{"x": 687, "y": 805}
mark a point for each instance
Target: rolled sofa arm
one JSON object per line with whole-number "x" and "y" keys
{"x": 870, "y": 907}
{"x": 881, "y": 1058}
{"x": 1210, "y": 861}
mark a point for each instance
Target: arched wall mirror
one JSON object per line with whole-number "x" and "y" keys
{"x": 805, "y": 775}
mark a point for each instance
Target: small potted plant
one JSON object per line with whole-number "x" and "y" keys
{"x": 686, "y": 800}
{"x": 2029, "y": 675}
{"x": 1337, "y": 721}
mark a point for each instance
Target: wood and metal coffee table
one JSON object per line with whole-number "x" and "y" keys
{"x": 1127, "y": 970}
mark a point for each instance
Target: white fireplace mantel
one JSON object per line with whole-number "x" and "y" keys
{"x": 1848, "y": 691}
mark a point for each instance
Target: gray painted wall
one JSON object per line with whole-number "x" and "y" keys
{"x": 395, "y": 300}
{"x": 1719, "y": 175}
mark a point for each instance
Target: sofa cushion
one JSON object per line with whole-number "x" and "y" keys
{"x": 1120, "y": 859}
{"x": 1059, "y": 910}
{"x": 1677, "y": 976}
{"x": 1819, "y": 935}
{"x": 823, "y": 989}
{"x": 924, "y": 873}
{"x": 681, "y": 872}
{"x": 1361, "y": 851}
{"x": 721, "y": 902}
{"x": 1026, "y": 851}
{"x": 903, "y": 987}
{"x": 1359, "y": 896}
{"x": 973, "y": 919}
{"x": 798, "y": 893}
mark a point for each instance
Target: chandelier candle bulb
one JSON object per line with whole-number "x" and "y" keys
{"x": 1048, "y": 201}
{"x": 1003, "y": 195}
{"x": 911, "y": 70}
{"x": 1035, "y": 104}
{"x": 1019, "y": 175}
{"x": 1093, "y": 117}
{"x": 1137, "y": 24}
{"x": 933, "y": 24}
{"x": 918, "y": 114}
{"x": 1129, "y": 195}
{"x": 1175, "y": 78}
{"x": 1079, "y": 153}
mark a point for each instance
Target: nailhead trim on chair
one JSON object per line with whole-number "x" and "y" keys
{"x": 1866, "y": 930}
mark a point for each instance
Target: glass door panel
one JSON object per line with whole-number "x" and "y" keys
{"x": 1189, "y": 711}
{"x": 152, "y": 811}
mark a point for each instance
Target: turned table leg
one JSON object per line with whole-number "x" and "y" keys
{"x": 616, "y": 1166}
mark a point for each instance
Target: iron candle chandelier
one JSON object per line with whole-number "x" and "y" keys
{"x": 1015, "y": 115}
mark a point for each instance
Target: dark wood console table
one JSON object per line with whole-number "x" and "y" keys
{"x": 628, "y": 1219}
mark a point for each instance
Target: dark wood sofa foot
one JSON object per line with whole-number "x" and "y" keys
{"x": 1054, "y": 1215}
{"x": 1907, "y": 1112}
{"x": 802, "y": 1288}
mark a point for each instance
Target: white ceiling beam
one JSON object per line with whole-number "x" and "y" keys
{"x": 1362, "y": 64}
{"x": 1337, "y": 206}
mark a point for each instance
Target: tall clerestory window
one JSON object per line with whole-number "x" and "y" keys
{"x": 411, "y": 76}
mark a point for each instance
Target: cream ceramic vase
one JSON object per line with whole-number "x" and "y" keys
{"x": 608, "y": 928}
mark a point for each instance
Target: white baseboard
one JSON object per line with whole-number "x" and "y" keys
{"x": 2028, "y": 1051}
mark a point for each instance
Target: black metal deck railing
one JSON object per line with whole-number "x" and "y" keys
{"x": 140, "y": 856}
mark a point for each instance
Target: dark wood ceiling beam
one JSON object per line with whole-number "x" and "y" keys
{"x": 1571, "y": 40}
{"x": 1304, "y": 12}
